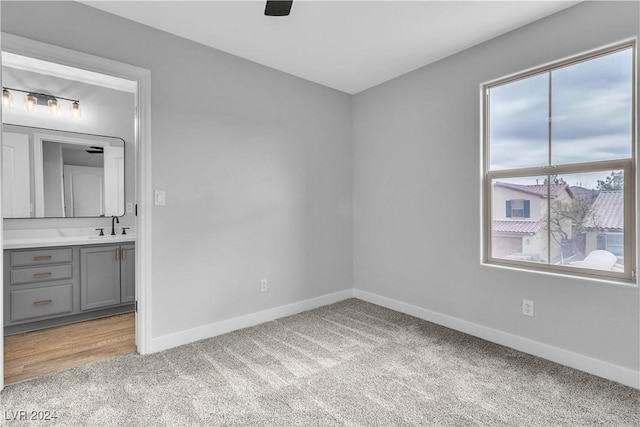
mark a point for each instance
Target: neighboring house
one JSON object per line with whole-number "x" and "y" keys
{"x": 582, "y": 193}
{"x": 519, "y": 221}
{"x": 605, "y": 224}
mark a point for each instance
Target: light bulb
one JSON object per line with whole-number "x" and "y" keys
{"x": 7, "y": 98}
{"x": 30, "y": 102}
{"x": 53, "y": 106}
{"x": 75, "y": 110}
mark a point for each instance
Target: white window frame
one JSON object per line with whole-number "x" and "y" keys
{"x": 627, "y": 165}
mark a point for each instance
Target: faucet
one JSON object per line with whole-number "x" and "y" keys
{"x": 113, "y": 227}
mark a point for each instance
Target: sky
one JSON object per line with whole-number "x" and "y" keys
{"x": 590, "y": 111}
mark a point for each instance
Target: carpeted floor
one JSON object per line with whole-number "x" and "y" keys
{"x": 350, "y": 363}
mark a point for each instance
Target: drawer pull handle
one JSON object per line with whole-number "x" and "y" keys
{"x": 42, "y": 257}
{"x": 43, "y": 302}
{"x": 117, "y": 253}
{"x": 41, "y": 275}
{"x": 123, "y": 254}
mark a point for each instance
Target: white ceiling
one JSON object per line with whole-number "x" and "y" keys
{"x": 346, "y": 45}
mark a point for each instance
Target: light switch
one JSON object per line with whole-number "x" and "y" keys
{"x": 160, "y": 199}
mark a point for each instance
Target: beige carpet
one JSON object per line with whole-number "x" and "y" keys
{"x": 350, "y": 363}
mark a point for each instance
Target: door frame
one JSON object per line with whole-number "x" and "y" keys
{"x": 142, "y": 122}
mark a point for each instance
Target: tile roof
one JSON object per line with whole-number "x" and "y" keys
{"x": 579, "y": 191}
{"x": 607, "y": 211}
{"x": 536, "y": 190}
{"x": 520, "y": 227}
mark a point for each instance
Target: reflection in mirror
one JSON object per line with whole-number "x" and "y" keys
{"x": 58, "y": 174}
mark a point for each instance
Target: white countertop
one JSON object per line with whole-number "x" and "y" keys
{"x": 20, "y": 239}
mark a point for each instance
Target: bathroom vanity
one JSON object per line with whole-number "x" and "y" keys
{"x": 51, "y": 280}
{"x": 56, "y": 269}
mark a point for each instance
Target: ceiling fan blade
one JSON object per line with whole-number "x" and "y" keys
{"x": 95, "y": 150}
{"x": 277, "y": 8}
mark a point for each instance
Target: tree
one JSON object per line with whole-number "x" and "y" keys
{"x": 567, "y": 222}
{"x": 614, "y": 182}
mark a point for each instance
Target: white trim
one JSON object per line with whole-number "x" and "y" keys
{"x": 564, "y": 357}
{"x": 70, "y": 58}
{"x": 49, "y": 68}
{"x": 142, "y": 79}
{"x": 1, "y": 246}
{"x": 224, "y": 326}
{"x": 143, "y": 220}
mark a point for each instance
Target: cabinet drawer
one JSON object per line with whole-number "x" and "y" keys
{"x": 40, "y": 274}
{"x": 39, "y": 257}
{"x": 41, "y": 302}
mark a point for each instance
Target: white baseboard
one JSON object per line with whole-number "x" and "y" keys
{"x": 222, "y": 327}
{"x": 587, "y": 364}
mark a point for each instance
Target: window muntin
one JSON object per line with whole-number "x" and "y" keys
{"x": 571, "y": 160}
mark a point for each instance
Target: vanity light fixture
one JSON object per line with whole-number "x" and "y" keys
{"x": 33, "y": 99}
{"x": 30, "y": 102}
{"x": 7, "y": 98}
{"x": 53, "y": 106}
{"x": 75, "y": 110}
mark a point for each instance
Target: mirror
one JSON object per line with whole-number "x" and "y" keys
{"x": 57, "y": 174}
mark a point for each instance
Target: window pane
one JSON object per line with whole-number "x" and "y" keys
{"x": 587, "y": 229}
{"x": 519, "y": 208}
{"x": 592, "y": 109}
{"x": 518, "y": 123}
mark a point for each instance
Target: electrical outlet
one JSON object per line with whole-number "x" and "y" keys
{"x": 264, "y": 285}
{"x": 129, "y": 207}
{"x": 527, "y": 307}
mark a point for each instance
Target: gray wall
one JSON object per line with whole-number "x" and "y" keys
{"x": 417, "y": 229}
{"x": 256, "y": 165}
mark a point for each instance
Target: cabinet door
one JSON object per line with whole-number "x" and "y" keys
{"x": 128, "y": 273}
{"x": 99, "y": 276}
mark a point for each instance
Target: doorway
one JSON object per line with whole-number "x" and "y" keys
{"x": 102, "y": 71}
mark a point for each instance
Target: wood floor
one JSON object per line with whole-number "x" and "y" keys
{"x": 32, "y": 354}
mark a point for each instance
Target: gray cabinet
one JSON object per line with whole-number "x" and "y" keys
{"x": 41, "y": 302}
{"x": 107, "y": 276}
{"x": 38, "y": 284}
{"x": 51, "y": 286}
{"x": 99, "y": 276}
{"x": 127, "y": 273}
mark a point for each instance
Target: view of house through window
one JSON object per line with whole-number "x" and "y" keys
{"x": 559, "y": 167}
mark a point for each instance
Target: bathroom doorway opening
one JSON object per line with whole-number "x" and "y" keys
{"x": 64, "y": 68}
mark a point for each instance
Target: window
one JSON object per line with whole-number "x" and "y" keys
{"x": 559, "y": 167}
{"x": 612, "y": 242}
{"x": 518, "y": 208}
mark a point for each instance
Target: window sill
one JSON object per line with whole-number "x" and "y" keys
{"x": 626, "y": 283}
